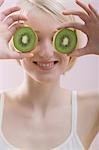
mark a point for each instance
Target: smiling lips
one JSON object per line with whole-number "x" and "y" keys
{"x": 45, "y": 65}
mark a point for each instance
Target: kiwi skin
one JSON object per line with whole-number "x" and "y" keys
{"x": 31, "y": 34}
{"x": 65, "y": 50}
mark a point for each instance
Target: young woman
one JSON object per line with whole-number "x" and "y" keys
{"x": 39, "y": 114}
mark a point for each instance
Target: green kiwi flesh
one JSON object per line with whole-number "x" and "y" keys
{"x": 24, "y": 39}
{"x": 65, "y": 40}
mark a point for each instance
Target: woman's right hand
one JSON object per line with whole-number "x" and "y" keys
{"x": 8, "y": 25}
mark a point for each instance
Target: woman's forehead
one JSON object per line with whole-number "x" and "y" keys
{"x": 41, "y": 20}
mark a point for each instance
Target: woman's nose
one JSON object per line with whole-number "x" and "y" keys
{"x": 46, "y": 49}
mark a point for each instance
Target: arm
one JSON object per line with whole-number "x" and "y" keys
{"x": 88, "y": 116}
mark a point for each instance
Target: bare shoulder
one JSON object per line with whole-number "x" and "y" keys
{"x": 90, "y": 99}
{"x": 0, "y": 94}
{"x": 88, "y": 115}
{"x": 6, "y": 94}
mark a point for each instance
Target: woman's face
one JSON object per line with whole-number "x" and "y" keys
{"x": 46, "y": 64}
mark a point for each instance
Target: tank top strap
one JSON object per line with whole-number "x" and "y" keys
{"x": 74, "y": 112}
{"x": 1, "y": 108}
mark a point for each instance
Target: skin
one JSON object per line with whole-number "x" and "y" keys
{"x": 91, "y": 21}
{"x": 40, "y": 120}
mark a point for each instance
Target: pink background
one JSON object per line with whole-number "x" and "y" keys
{"x": 84, "y": 75}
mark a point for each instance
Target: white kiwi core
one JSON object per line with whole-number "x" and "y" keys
{"x": 25, "y": 39}
{"x": 65, "y": 41}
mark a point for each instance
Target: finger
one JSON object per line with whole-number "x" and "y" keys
{"x": 10, "y": 20}
{"x": 1, "y": 2}
{"x": 80, "y": 52}
{"x": 13, "y": 28}
{"x": 15, "y": 54}
{"x": 74, "y": 25}
{"x": 7, "y": 12}
{"x": 87, "y": 9}
{"x": 94, "y": 11}
{"x": 19, "y": 55}
{"x": 82, "y": 15}
{"x": 82, "y": 5}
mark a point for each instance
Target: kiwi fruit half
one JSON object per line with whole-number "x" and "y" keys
{"x": 25, "y": 39}
{"x": 65, "y": 40}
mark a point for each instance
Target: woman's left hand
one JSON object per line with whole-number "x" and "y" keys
{"x": 90, "y": 28}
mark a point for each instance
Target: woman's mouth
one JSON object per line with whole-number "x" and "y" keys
{"x": 46, "y": 65}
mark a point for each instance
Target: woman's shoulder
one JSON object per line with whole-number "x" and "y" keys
{"x": 1, "y": 93}
{"x": 90, "y": 98}
{"x": 88, "y": 102}
{"x": 7, "y": 94}
{"x": 4, "y": 92}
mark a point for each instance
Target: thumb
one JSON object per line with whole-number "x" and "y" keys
{"x": 79, "y": 52}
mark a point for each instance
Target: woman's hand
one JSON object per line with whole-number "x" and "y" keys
{"x": 8, "y": 25}
{"x": 90, "y": 28}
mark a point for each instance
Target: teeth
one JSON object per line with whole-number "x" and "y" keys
{"x": 45, "y": 65}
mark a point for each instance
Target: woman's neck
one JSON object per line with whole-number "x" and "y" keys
{"x": 39, "y": 94}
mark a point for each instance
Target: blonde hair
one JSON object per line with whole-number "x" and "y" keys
{"x": 54, "y": 8}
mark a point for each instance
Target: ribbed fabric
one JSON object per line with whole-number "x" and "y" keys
{"x": 72, "y": 142}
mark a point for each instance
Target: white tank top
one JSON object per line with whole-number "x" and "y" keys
{"x": 71, "y": 143}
